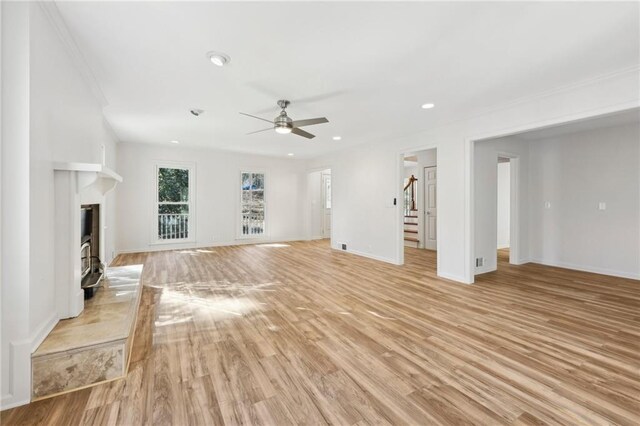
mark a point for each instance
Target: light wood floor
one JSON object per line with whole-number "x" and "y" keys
{"x": 302, "y": 334}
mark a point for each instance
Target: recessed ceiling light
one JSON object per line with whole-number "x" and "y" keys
{"x": 218, "y": 58}
{"x": 290, "y": 154}
{"x": 337, "y": 138}
{"x": 175, "y": 141}
{"x": 428, "y": 106}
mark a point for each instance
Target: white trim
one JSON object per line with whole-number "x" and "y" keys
{"x": 456, "y": 278}
{"x": 210, "y": 245}
{"x": 45, "y": 329}
{"x": 20, "y": 364}
{"x": 19, "y": 375}
{"x": 367, "y": 255}
{"x": 524, "y": 100}
{"x": 583, "y": 268}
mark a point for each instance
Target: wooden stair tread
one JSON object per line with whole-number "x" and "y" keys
{"x": 412, "y": 231}
{"x": 411, "y": 223}
{"x": 415, "y": 217}
{"x": 415, "y": 240}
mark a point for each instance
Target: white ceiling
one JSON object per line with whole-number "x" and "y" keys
{"x": 367, "y": 67}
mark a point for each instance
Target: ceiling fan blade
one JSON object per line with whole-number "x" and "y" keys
{"x": 259, "y": 118}
{"x": 258, "y": 131}
{"x": 309, "y": 122}
{"x": 302, "y": 133}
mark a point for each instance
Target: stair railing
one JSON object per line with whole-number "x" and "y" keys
{"x": 410, "y": 195}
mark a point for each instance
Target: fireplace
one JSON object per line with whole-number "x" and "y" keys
{"x": 91, "y": 267}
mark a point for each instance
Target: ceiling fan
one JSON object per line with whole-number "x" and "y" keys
{"x": 284, "y": 124}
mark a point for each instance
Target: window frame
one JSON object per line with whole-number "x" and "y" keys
{"x": 191, "y": 229}
{"x": 239, "y": 234}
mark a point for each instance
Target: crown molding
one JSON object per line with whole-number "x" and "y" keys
{"x": 57, "y": 21}
{"x": 558, "y": 90}
{"x": 630, "y": 71}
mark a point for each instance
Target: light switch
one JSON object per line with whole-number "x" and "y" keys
{"x": 602, "y": 206}
{"x": 547, "y": 204}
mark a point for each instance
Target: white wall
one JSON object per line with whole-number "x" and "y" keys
{"x": 364, "y": 182}
{"x": 504, "y": 200}
{"x": 410, "y": 171}
{"x": 217, "y": 195}
{"x": 368, "y": 177}
{"x": 60, "y": 120}
{"x": 574, "y": 173}
{"x": 14, "y": 357}
{"x": 66, "y": 124}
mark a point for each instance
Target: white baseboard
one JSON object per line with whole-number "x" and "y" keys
{"x": 19, "y": 375}
{"x": 584, "y": 268}
{"x": 43, "y": 331}
{"x": 485, "y": 269}
{"x": 456, "y": 278}
{"x": 20, "y": 364}
{"x": 368, "y": 255}
{"x": 193, "y": 246}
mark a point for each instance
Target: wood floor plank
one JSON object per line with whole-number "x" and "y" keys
{"x": 302, "y": 334}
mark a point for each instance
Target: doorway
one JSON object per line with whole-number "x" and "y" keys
{"x": 319, "y": 204}
{"x": 503, "y": 235}
{"x": 326, "y": 203}
{"x": 420, "y": 214}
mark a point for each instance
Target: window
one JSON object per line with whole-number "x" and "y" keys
{"x": 173, "y": 203}
{"x": 252, "y": 223}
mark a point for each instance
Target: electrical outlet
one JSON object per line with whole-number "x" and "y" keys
{"x": 479, "y": 262}
{"x": 344, "y": 246}
{"x": 547, "y": 204}
{"x": 602, "y": 205}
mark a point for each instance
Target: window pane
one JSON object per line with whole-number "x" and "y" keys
{"x": 173, "y": 209}
{"x": 258, "y": 199}
{"x": 258, "y": 181}
{"x": 173, "y": 185}
{"x": 246, "y": 181}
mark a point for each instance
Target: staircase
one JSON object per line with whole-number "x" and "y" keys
{"x": 411, "y": 229}
{"x": 410, "y": 214}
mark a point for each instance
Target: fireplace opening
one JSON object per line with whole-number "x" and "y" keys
{"x": 91, "y": 267}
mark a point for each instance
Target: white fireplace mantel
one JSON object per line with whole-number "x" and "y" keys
{"x": 76, "y": 184}
{"x": 101, "y": 176}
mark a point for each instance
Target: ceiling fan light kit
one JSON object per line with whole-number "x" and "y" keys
{"x": 283, "y": 124}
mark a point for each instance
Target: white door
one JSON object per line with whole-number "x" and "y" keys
{"x": 430, "y": 208}
{"x": 326, "y": 205}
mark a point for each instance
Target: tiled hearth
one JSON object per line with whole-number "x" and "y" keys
{"x": 95, "y": 346}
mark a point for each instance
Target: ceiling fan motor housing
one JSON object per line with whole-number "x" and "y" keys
{"x": 282, "y": 120}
